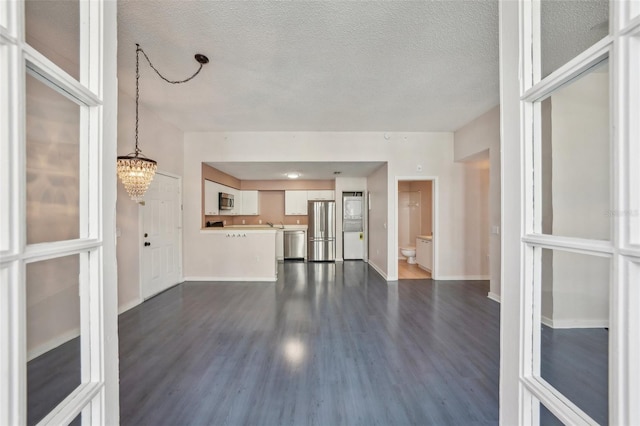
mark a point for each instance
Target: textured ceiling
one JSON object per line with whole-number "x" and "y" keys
{"x": 314, "y": 66}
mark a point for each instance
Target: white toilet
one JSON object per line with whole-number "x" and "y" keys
{"x": 409, "y": 253}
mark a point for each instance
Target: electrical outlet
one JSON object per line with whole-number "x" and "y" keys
{"x": 243, "y": 221}
{"x": 419, "y": 168}
{"x": 298, "y": 221}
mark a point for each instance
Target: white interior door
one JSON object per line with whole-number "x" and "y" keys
{"x": 161, "y": 225}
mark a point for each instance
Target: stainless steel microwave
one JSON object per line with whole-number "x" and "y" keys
{"x": 226, "y": 201}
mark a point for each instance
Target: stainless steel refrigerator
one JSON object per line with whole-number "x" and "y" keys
{"x": 322, "y": 231}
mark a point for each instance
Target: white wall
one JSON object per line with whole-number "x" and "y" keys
{"x": 475, "y": 220}
{"x": 162, "y": 142}
{"x": 378, "y": 187}
{"x": 403, "y": 152}
{"x": 580, "y": 199}
{"x": 470, "y": 141}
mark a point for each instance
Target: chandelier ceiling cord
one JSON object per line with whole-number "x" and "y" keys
{"x": 135, "y": 170}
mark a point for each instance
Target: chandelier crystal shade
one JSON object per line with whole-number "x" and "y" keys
{"x": 135, "y": 170}
{"x": 136, "y": 173}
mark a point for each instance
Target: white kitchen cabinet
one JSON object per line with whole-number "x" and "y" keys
{"x": 250, "y": 204}
{"x": 424, "y": 253}
{"x": 295, "y": 203}
{"x": 280, "y": 244}
{"x": 321, "y": 195}
{"x": 211, "y": 198}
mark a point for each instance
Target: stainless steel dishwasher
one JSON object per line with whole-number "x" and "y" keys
{"x": 294, "y": 244}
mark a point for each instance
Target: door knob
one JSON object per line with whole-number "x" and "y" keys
{"x": 147, "y": 243}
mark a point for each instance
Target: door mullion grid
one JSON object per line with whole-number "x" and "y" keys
{"x": 15, "y": 254}
{"x": 534, "y": 386}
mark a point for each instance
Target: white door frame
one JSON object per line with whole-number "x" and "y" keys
{"x": 141, "y": 235}
{"x": 96, "y": 95}
{"x": 521, "y": 85}
{"x": 434, "y": 221}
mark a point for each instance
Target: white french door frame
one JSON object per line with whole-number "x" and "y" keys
{"x": 522, "y": 388}
{"x": 96, "y": 95}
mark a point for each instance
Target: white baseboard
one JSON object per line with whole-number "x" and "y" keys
{"x": 424, "y": 268}
{"x": 52, "y": 344}
{"x": 494, "y": 297}
{"x": 463, "y": 277}
{"x": 574, "y": 323}
{"x": 546, "y": 321}
{"x": 378, "y": 270}
{"x": 130, "y": 305}
{"x": 218, "y": 279}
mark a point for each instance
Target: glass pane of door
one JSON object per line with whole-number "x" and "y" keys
{"x": 53, "y": 328}
{"x": 547, "y": 418}
{"x": 53, "y": 28}
{"x": 574, "y": 336}
{"x": 574, "y": 169}
{"x": 53, "y": 162}
{"x": 569, "y": 28}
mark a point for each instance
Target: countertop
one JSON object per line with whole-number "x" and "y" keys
{"x": 426, "y": 237}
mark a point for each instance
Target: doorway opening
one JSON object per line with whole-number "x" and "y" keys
{"x": 415, "y": 208}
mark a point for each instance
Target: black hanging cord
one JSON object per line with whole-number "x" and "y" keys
{"x": 201, "y": 59}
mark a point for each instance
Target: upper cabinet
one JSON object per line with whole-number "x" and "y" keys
{"x": 245, "y": 203}
{"x": 295, "y": 203}
{"x": 321, "y": 195}
{"x": 211, "y": 198}
{"x": 250, "y": 203}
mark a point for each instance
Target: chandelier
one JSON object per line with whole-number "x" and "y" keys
{"x": 135, "y": 170}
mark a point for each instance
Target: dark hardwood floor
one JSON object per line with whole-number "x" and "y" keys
{"x": 327, "y": 344}
{"x": 576, "y": 362}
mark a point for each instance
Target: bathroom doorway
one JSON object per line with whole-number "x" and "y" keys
{"x": 415, "y": 224}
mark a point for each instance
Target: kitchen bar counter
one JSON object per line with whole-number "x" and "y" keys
{"x": 237, "y": 254}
